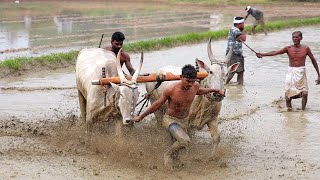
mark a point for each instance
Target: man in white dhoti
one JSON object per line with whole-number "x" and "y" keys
{"x": 296, "y": 79}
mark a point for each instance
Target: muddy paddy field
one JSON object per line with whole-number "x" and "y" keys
{"x": 41, "y": 136}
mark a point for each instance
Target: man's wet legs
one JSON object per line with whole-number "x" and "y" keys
{"x": 172, "y": 154}
{"x": 253, "y": 29}
{"x": 263, "y": 27}
{"x": 303, "y": 95}
{"x": 288, "y": 103}
{"x": 240, "y": 78}
{"x": 304, "y": 99}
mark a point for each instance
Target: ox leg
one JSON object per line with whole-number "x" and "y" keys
{"x": 83, "y": 105}
{"x": 89, "y": 124}
{"x": 92, "y": 115}
{"x": 213, "y": 127}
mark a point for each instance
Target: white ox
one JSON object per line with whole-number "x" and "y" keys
{"x": 206, "y": 108}
{"x": 115, "y": 100}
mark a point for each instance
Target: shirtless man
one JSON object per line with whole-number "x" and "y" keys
{"x": 116, "y": 44}
{"x": 179, "y": 96}
{"x": 296, "y": 79}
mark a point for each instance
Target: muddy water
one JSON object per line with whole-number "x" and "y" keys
{"x": 74, "y": 29}
{"x": 259, "y": 140}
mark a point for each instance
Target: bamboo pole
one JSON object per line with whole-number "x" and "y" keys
{"x": 152, "y": 77}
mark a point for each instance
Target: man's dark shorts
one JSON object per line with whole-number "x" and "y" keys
{"x": 237, "y": 58}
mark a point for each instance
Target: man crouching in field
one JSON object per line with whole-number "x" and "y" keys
{"x": 179, "y": 96}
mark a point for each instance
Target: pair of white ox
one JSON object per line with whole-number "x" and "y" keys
{"x": 121, "y": 99}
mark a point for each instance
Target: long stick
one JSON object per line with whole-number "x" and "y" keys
{"x": 249, "y": 47}
{"x": 101, "y": 40}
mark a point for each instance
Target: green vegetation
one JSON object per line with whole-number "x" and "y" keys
{"x": 190, "y": 38}
{"x": 238, "y": 2}
{"x": 19, "y": 63}
{"x": 155, "y": 44}
{"x": 227, "y": 2}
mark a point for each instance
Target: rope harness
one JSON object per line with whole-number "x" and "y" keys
{"x": 146, "y": 98}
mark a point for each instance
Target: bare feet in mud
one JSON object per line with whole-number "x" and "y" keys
{"x": 168, "y": 162}
{"x": 234, "y": 83}
{"x": 285, "y": 109}
{"x": 172, "y": 162}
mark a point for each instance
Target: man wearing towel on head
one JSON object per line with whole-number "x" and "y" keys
{"x": 236, "y": 36}
{"x": 296, "y": 79}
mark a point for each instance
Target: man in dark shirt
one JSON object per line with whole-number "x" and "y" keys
{"x": 259, "y": 19}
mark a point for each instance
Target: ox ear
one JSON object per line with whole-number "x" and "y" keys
{"x": 233, "y": 67}
{"x": 202, "y": 65}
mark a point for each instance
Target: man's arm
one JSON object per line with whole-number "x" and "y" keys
{"x": 203, "y": 91}
{"x": 243, "y": 36}
{"x": 154, "y": 107}
{"x": 128, "y": 64}
{"x": 315, "y": 64}
{"x": 272, "y": 53}
{"x": 246, "y": 16}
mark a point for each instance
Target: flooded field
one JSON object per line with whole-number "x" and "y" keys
{"x": 31, "y": 28}
{"x": 41, "y": 137}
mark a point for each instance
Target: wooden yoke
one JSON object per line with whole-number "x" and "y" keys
{"x": 152, "y": 77}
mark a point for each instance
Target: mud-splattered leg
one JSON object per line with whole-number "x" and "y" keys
{"x": 213, "y": 127}
{"x": 172, "y": 154}
{"x": 304, "y": 99}
{"x": 83, "y": 105}
{"x": 288, "y": 103}
{"x": 240, "y": 78}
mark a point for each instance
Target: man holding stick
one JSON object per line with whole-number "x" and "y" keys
{"x": 236, "y": 37}
{"x": 296, "y": 79}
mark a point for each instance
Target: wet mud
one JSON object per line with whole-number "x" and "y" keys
{"x": 42, "y": 137}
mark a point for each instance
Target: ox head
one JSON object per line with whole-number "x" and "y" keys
{"x": 217, "y": 71}
{"x": 128, "y": 91}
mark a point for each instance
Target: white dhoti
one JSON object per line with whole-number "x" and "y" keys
{"x": 296, "y": 81}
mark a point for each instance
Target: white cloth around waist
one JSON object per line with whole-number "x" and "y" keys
{"x": 296, "y": 81}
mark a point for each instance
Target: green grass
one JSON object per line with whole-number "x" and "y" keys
{"x": 190, "y": 38}
{"x": 20, "y": 62}
{"x": 226, "y": 2}
{"x": 156, "y": 44}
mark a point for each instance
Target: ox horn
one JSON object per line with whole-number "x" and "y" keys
{"x": 210, "y": 54}
{"x": 120, "y": 73}
{"x": 136, "y": 74}
{"x": 228, "y": 56}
